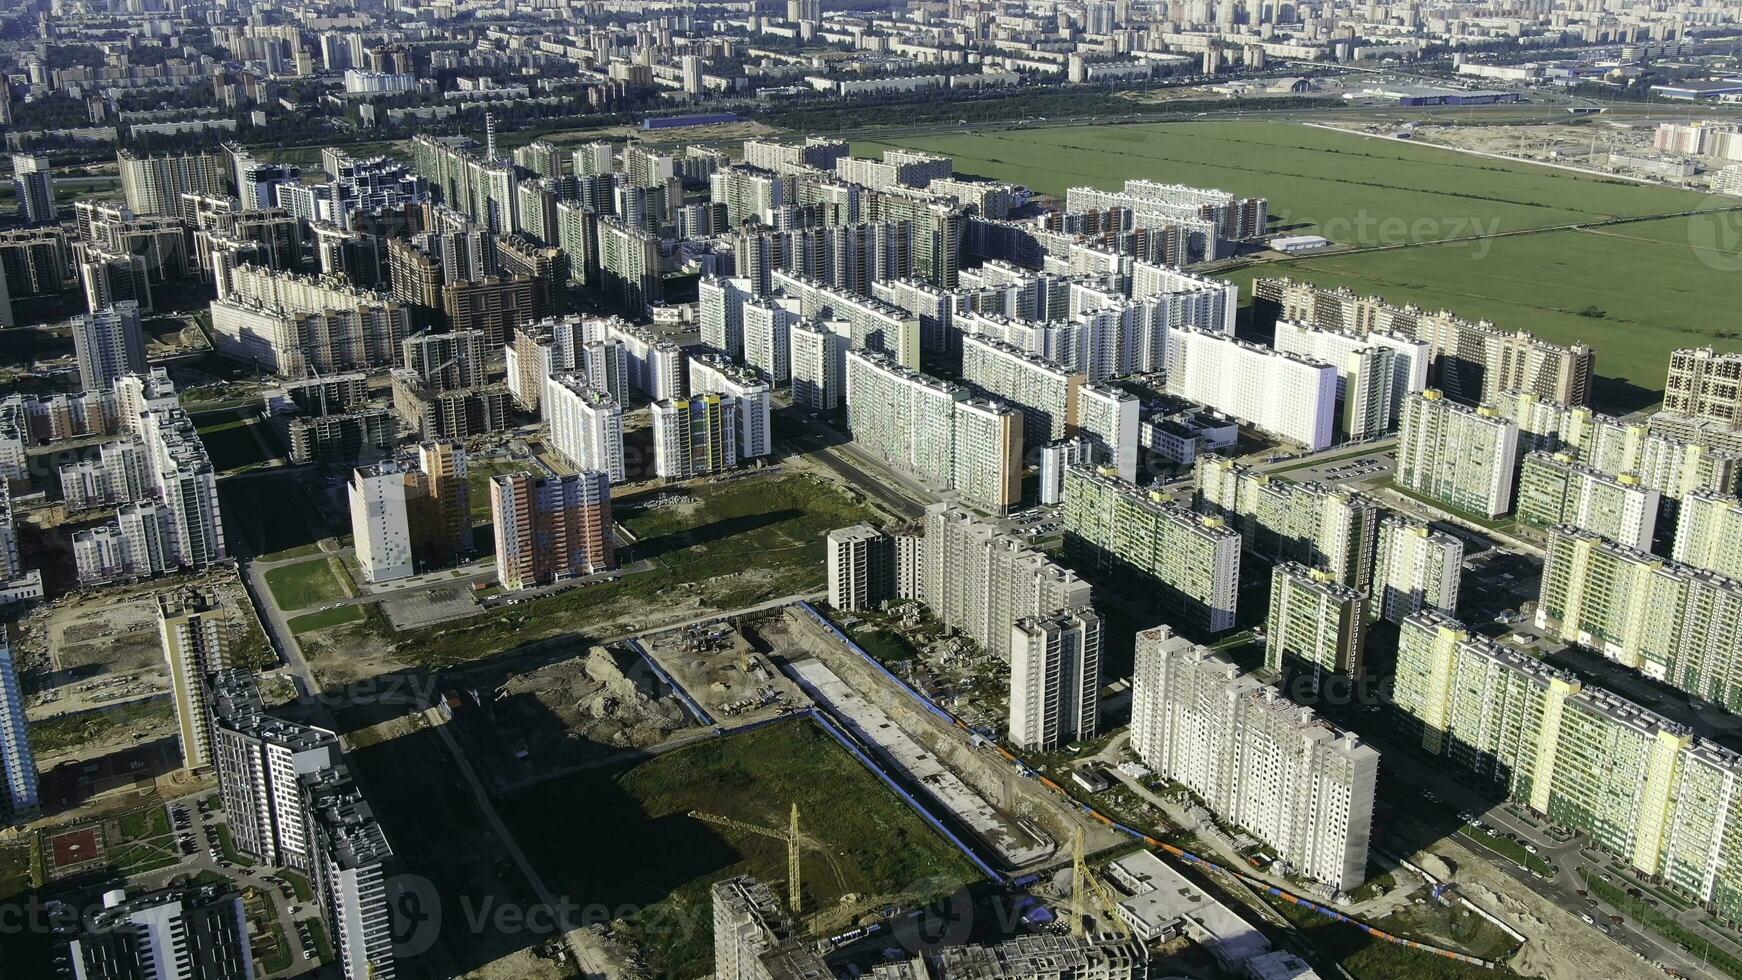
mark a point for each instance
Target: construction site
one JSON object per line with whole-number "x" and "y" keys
{"x": 589, "y": 708}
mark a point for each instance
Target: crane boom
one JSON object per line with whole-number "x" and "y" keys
{"x": 792, "y": 838}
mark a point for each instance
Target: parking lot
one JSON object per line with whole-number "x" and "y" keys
{"x": 437, "y": 605}
{"x": 1367, "y": 468}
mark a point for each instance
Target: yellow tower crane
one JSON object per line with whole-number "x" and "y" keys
{"x": 1084, "y": 881}
{"x": 794, "y": 840}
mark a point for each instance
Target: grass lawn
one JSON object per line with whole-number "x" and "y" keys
{"x": 1508, "y": 848}
{"x": 338, "y": 616}
{"x": 886, "y": 645}
{"x": 881, "y": 848}
{"x": 1656, "y": 282}
{"x": 299, "y": 886}
{"x": 1366, "y": 958}
{"x": 70, "y": 731}
{"x": 744, "y": 541}
{"x": 144, "y": 824}
{"x": 301, "y": 551}
{"x": 317, "y": 931}
{"x": 227, "y": 847}
{"x": 304, "y": 585}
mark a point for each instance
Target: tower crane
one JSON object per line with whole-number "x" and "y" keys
{"x": 791, "y": 836}
{"x": 1084, "y": 881}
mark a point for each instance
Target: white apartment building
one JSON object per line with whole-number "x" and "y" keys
{"x": 1055, "y": 679}
{"x": 1188, "y": 300}
{"x": 981, "y": 580}
{"x": 1288, "y": 396}
{"x": 720, "y": 307}
{"x": 656, "y": 364}
{"x": 1410, "y": 359}
{"x": 1108, "y": 418}
{"x": 1708, "y": 534}
{"x": 768, "y": 327}
{"x": 1415, "y": 568}
{"x": 712, "y": 374}
{"x": 380, "y": 522}
{"x": 987, "y": 468}
{"x": 695, "y": 436}
{"x": 586, "y": 425}
{"x": 905, "y": 418}
{"x": 861, "y": 567}
{"x": 819, "y": 366}
{"x": 1046, "y": 392}
{"x": 1258, "y": 761}
{"x": 195, "y": 637}
{"x": 1462, "y": 457}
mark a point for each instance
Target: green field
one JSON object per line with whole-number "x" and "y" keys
{"x": 304, "y": 585}
{"x": 740, "y": 543}
{"x": 1656, "y": 284}
{"x": 337, "y": 616}
{"x": 663, "y": 861}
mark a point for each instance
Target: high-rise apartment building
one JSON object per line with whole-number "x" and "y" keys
{"x": 381, "y": 521}
{"x": 20, "y": 799}
{"x": 819, "y": 366}
{"x": 695, "y": 436}
{"x": 1675, "y": 624}
{"x": 980, "y": 580}
{"x": 260, "y": 761}
{"x": 1257, "y": 760}
{"x": 1286, "y": 395}
{"x": 1643, "y": 788}
{"x": 1415, "y": 568}
{"x": 1554, "y": 489}
{"x": 1279, "y": 520}
{"x": 155, "y": 184}
{"x": 720, "y": 306}
{"x": 174, "y": 934}
{"x": 114, "y": 278}
{"x": 1188, "y": 564}
{"x": 1047, "y": 393}
{"x": 107, "y": 344}
{"x": 195, "y": 635}
{"x": 862, "y": 567}
{"x": 1708, "y": 534}
{"x": 1464, "y": 458}
{"x": 1350, "y": 353}
{"x": 1473, "y": 362}
{"x": 350, "y": 874}
{"x": 1316, "y": 625}
{"x": 710, "y": 374}
{"x": 33, "y": 186}
{"x": 550, "y": 527}
{"x": 987, "y": 466}
{"x": 1705, "y": 384}
{"x": 1055, "y": 679}
{"x": 1107, "y": 418}
{"x": 586, "y": 425}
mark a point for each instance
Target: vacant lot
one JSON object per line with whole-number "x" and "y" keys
{"x": 662, "y": 861}
{"x": 326, "y": 619}
{"x": 1634, "y": 291}
{"x": 231, "y": 444}
{"x": 717, "y": 546}
{"x": 304, "y": 585}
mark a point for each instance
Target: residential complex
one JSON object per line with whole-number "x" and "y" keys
{"x": 1553, "y": 490}
{"x": 695, "y": 436}
{"x": 1189, "y": 564}
{"x": 1316, "y": 625}
{"x": 1055, "y": 679}
{"x": 549, "y": 528}
{"x": 1464, "y": 458}
{"x": 411, "y": 513}
{"x": 1676, "y": 624}
{"x": 194, "y": 632}
{"x": 21, "y": 800}
{"x": 1288, "y": 396}
{"x": 108, "y": 343}
{"x": 1644, "y": 789}
{"x": 981, "y": 581}
{"x": 1473, "y": 362}
{"x": 1258, "y": 761}
{"x": 1705, "y": 384}
{"x": 586, "y": 425}
{"x": 1415, "y": 567}
{"x": 1278, "y": 520}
